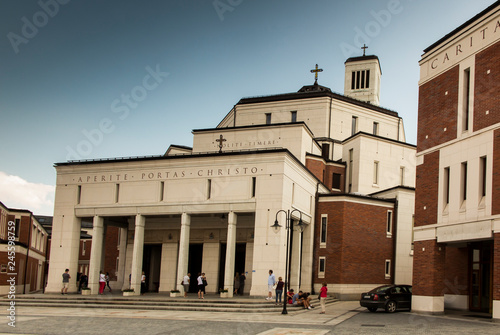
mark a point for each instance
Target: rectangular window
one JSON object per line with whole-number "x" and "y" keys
{"x": 463, "y": 188}
{"x": 351, "y": 157}
{"x": 17, "y": 227}
{"x": 402, "y": 176}
{"x": 367, "y": 79}
{"x": 354, "y": 126}
{"x": 375, "y": 128}
{"x": 482, "y": 176}
{"x": 324, "y": 222}
{"x": 117, "y": 193}
{"x": 162, "y": 189}
{"x": 357, "y": 80}
{"x": 389, "y": 224}
{"x": 321, "y": 267}
{"x": 254, "y": 184}
{"x": 3, "y": 268}
{"x": 362, "y": 79}
{"x": 466, "y": 108}
{"x": 446, "y": 186}
{"x": 387, "y": 268}
{"x": 294, "y": 116}
{"x": 325, "y": 150}
{"x": 336, "y": 181}
{"x": 79, "y": 194}
{"x": 83, "y": 248}
{"x": 375, "y": 173}
{"x": 353, "y": 80}
{"x": 209, "y": 188}
{"x": 268, "y": 118}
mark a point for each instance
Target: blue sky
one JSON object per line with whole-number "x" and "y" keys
{"x": 95, "y": 79}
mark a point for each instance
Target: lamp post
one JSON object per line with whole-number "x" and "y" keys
{"x": 288, "y": 226}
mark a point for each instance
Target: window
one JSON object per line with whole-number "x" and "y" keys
{"x": 446, "y": 186}
{"x": 117, "y": 193}
{"x": 336, "y": 181}
{"x": 387, "y": 268}
{"x": 466, "y": 109}
{"x": 360, "y": 79}
{"x": 268, "y": 118}
{"x": 401, "y": 175}
{"x": 389, "y": 224}
{"x": 79, "y": 194}
{"x": 162, "y": 190}
{"x": 375, "y": 173}
{"x": 324, "y": 222}
{"x": 351, "y": 154}
{"x": 321, "y": 267}
{"x": 375, "y": 128}
{"x": 463, "y": 186}
{"x": 83, "y": 248}
{"x": 254, "y": 184}
{"x": 354, "y": 127}
{"x": 3, "y": 268}
{"x": 482, "y": 176}
{"x": 294, "y": 116}
{"x": 325, "y": 150}
{"x": 209, "y": 188}
{"x": 17, "y": 227}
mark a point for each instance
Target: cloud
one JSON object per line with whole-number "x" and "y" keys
{"x": 16, "y": 192}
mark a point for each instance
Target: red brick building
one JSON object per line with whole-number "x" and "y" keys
{"x": 457, "y": 211}
{"x": 23, "y": 248}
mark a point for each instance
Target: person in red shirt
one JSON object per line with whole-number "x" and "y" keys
{"x": 322, "y": 298}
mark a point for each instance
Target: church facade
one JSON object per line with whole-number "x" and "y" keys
{"x": 457, "y": 213}
{"x": 338, "y": 163}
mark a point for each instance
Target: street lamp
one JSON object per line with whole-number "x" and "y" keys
{"x": 288, "y": 226}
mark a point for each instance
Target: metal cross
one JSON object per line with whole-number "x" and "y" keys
{"x": 220, "y": 140}
{"x": 364, "y": 47}
{"x": 316, "y": 74}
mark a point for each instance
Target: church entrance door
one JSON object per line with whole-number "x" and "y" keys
{"x": 194, "y": 265}
{"x": 151, "y": 261}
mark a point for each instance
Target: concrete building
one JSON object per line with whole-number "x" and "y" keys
{"x": 209, "y": 208}
{"x": 457, "y": 211}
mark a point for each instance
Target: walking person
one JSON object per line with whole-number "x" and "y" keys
{"x": 65, "y": 281}
{"x": 107, "y": 282}
{"x": 143, "y": 283}
{"x": 271, "y": 281}
{"x": 279, "y": 290}
{"x": 322, "y": 298}
{"x": 236, "y": 283}
{"x": 185, "y": 282}
{"x": 242, "y": 283}
{"x": 201, "y": 285}
{"x": 102, "y": 282}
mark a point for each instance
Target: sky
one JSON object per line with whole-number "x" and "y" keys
{"x": 99, "y": 79}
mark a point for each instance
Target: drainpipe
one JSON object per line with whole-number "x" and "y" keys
{"x": 395, "y": 238}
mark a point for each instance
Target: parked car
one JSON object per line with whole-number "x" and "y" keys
{"x": 389, "y": 297}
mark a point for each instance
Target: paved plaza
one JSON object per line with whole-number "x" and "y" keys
{"x": 340, "y": 318}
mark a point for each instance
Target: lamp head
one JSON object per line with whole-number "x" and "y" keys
{"x": 276, "y": 227}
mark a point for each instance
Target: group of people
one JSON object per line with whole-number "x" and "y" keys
{"x": 296, "y": 299}
{"x": 239, "y": 283}
{"x": 83, "y": 281}
{"x": 201, "y": 281}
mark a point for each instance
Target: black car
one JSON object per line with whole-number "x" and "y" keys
{"x": 389, "y": 297}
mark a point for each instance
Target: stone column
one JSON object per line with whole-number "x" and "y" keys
{"x": 122, "y": 281}
{"x": 182, "y": 264}
{"x": 230, "y": 254}
{"x": 137, "y": 254}
{"x": 96, "y": 254}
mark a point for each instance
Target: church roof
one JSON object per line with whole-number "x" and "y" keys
{"x": 363, "y": 58}
{"x": 315, "y": 91}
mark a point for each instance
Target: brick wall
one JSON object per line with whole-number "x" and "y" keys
{"x": 437, "y": 110}
{"x": 111, "y": 251}
{"x": 495, "y": 189}
{"x": 426, "y": 190}
{"x": 357, "y": 243}
{"x": 428, "y": 268}
{"x": 456, "y": 269}
{"x": 316, "y": 167}
{"x": 330, "y": 169}
{"x": 486, "y": 88}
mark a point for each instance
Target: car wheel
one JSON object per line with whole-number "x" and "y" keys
{"x": 372, "y": 309}
{"x": 391, "y": 306}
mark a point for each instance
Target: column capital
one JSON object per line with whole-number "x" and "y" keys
{"x": 98, "y": 221}
{"x": 140, "y": 220}
{"x": 231, "y": 218}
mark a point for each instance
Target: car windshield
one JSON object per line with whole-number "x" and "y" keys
{"x": 381, "y": 289}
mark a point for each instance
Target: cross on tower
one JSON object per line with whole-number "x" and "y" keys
{"x": 220, "y": 140}
{"x": 316, "y": 74}
{"x": 364, "y": 47}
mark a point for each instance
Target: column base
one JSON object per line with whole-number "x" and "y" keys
{"x": 427, "y": 304}
{"x": 496, "y": 311}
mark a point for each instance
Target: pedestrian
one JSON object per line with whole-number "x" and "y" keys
{"x": 202, "y": 281}
{"x": 84, "y": 281}
{"x": 102, "y": 282}
{"x": 322, "y": 298}
{"x": 279, "y": 290}
{"x": 143, "y": 283}
{"x": 242, "y": 283}
{"x": 185, "y": 282}
{"x": 66, "y": 277}
{"x": 107, "y": 281}
{"x": 271, "y": 281}
{"x": 236, "y": 283}
{"x": 289, "y": 296}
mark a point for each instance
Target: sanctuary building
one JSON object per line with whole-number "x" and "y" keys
{"x": 457, "y": 208}
{"x": 337, "y": 163}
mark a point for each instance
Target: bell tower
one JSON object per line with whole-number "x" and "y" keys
{"x": 362, "y": 78}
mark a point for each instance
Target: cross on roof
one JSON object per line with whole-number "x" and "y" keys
{"x": 316, "y": 74}
{"x": 220, "y": 140}
{"x": 364, "y": 47}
